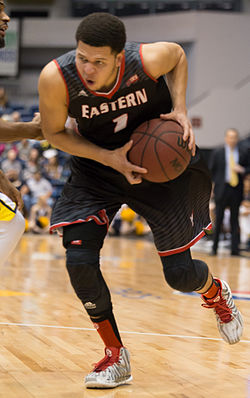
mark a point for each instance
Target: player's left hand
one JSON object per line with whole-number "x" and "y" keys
{"x": 182, "y": 118}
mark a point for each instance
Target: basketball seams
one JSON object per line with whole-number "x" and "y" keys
{"x": 159, "y": 161}
{"x": 162, "y": 154}
{"x": 170, "y": 146}
{"x": 155, "y": 149}
{"x": 148, "y": 140}
{"x": 158, "y": 138}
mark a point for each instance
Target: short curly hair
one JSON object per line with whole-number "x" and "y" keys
{"x": 102, "y": 29}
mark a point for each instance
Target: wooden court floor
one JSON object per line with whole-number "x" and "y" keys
{"x": 47, "y": 343}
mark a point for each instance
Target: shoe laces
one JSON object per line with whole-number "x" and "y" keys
{"x": 220, "y": 307}
{"x": 105, "y": 362}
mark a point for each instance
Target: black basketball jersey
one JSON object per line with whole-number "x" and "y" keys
{"x": 176, "y": 211}
{"x": 108, "y": 119}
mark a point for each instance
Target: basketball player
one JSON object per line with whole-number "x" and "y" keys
{"x": 110, "y": 87}
{"x": 11, "y": 220}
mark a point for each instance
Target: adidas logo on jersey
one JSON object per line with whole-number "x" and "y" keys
{"x": 82, "y": 93}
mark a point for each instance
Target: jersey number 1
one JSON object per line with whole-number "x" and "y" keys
{"x": 120, "y": 122}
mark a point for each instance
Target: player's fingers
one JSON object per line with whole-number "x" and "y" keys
{"x": 186, "y": 129}
{"x": 134, "y": 178}
{"x": 167, "y": 116}
{"x": 128, "y": 146}
{"x": 191, "y": 144}
{"x": 36, "y": 117}
{"x": 138, "y": 169}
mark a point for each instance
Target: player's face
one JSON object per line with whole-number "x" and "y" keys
{"x": 231, "y": 138}
{"x": 4, "y": 19}
{"x": 98, "y": 66}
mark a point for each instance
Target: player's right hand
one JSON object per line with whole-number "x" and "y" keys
{"x": 119, "y": 161}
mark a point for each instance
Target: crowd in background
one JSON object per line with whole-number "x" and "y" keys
{"x": 40, "y": 171}
{"x": 34, "y": 167}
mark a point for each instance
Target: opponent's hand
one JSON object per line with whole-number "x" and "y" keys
{"x": 184, "y": 121}
{"x": 36, "y": 123}
{"x": 8, "y": 189}
{"x": 118, "y": 160}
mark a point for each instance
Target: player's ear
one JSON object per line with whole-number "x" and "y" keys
{"x": 119, "y": 58}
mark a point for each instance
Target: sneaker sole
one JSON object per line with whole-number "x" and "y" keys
{"x": 92, "y": 384}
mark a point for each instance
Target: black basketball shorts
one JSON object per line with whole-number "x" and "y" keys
{"x": 177, "y": 211}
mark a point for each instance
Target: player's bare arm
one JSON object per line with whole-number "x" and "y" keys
{"x": 14, "y": 131}
{"x": 164, "y": 58}
{"x": 54, "y": 113}
{"x": 8, "y": 189}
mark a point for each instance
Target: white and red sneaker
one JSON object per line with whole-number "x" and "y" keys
{"x": 112, "y": 371}
{"x": 229, "y": 319}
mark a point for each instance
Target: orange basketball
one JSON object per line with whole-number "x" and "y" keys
{"x": 158, "y": 146}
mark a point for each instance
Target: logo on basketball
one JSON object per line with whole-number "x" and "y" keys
{"x": 176, "y": 165}
{"x": 181, "y": 143}
{"x": 158, "y": 145}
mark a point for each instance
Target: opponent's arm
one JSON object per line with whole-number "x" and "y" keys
{"x": 169, "y": 59}
{"x": 54, "y": 113}
{"x": 10, "y": 190}
{"x": 15, "y": 131}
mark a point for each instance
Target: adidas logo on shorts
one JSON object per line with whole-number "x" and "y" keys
{"x": 89, "y": 306}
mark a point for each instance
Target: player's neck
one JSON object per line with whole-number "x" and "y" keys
{"x": 111, "y": 84}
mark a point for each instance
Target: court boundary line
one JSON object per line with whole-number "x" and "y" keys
{"x": 122, "y": 331}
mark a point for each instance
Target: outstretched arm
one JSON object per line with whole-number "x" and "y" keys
{"x": 15, "y": 131}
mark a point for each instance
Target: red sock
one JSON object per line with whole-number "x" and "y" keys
{"x": 107, "y": 334}
{"x": 212, "y": 291}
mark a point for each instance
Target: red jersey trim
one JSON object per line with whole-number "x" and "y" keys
{"x": 61, "y": 73}
{"x": 145, "y": 70}
{"x": 187, "y": 246}
{"x": 101, "y": 220}
{"x": 110, "y": 94}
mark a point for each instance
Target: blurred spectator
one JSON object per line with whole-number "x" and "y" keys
{"x": 127, "y": 222}
{"x": 14, "y": 177}
{"x": 3, "y": 100}
{"x": 39, "y": 219}
{"x": 12, "y": 163}
{"x": 2, "y": 148}
{"x": 35, "y": 187}
{"x": 16, "y": 116}
{"x": 24, "y": 147}
{"x": 54, "y": 171}
{"x": 228, "y": 165}
{"x": 245, "y": 215}
{"x": 5, "y": 147}
{"x": 52, "y": 168}
{"x": 33, "y": 163}
{"x": 12, "y": 116}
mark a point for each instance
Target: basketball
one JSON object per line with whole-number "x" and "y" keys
{"x": 158, "y": 146}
